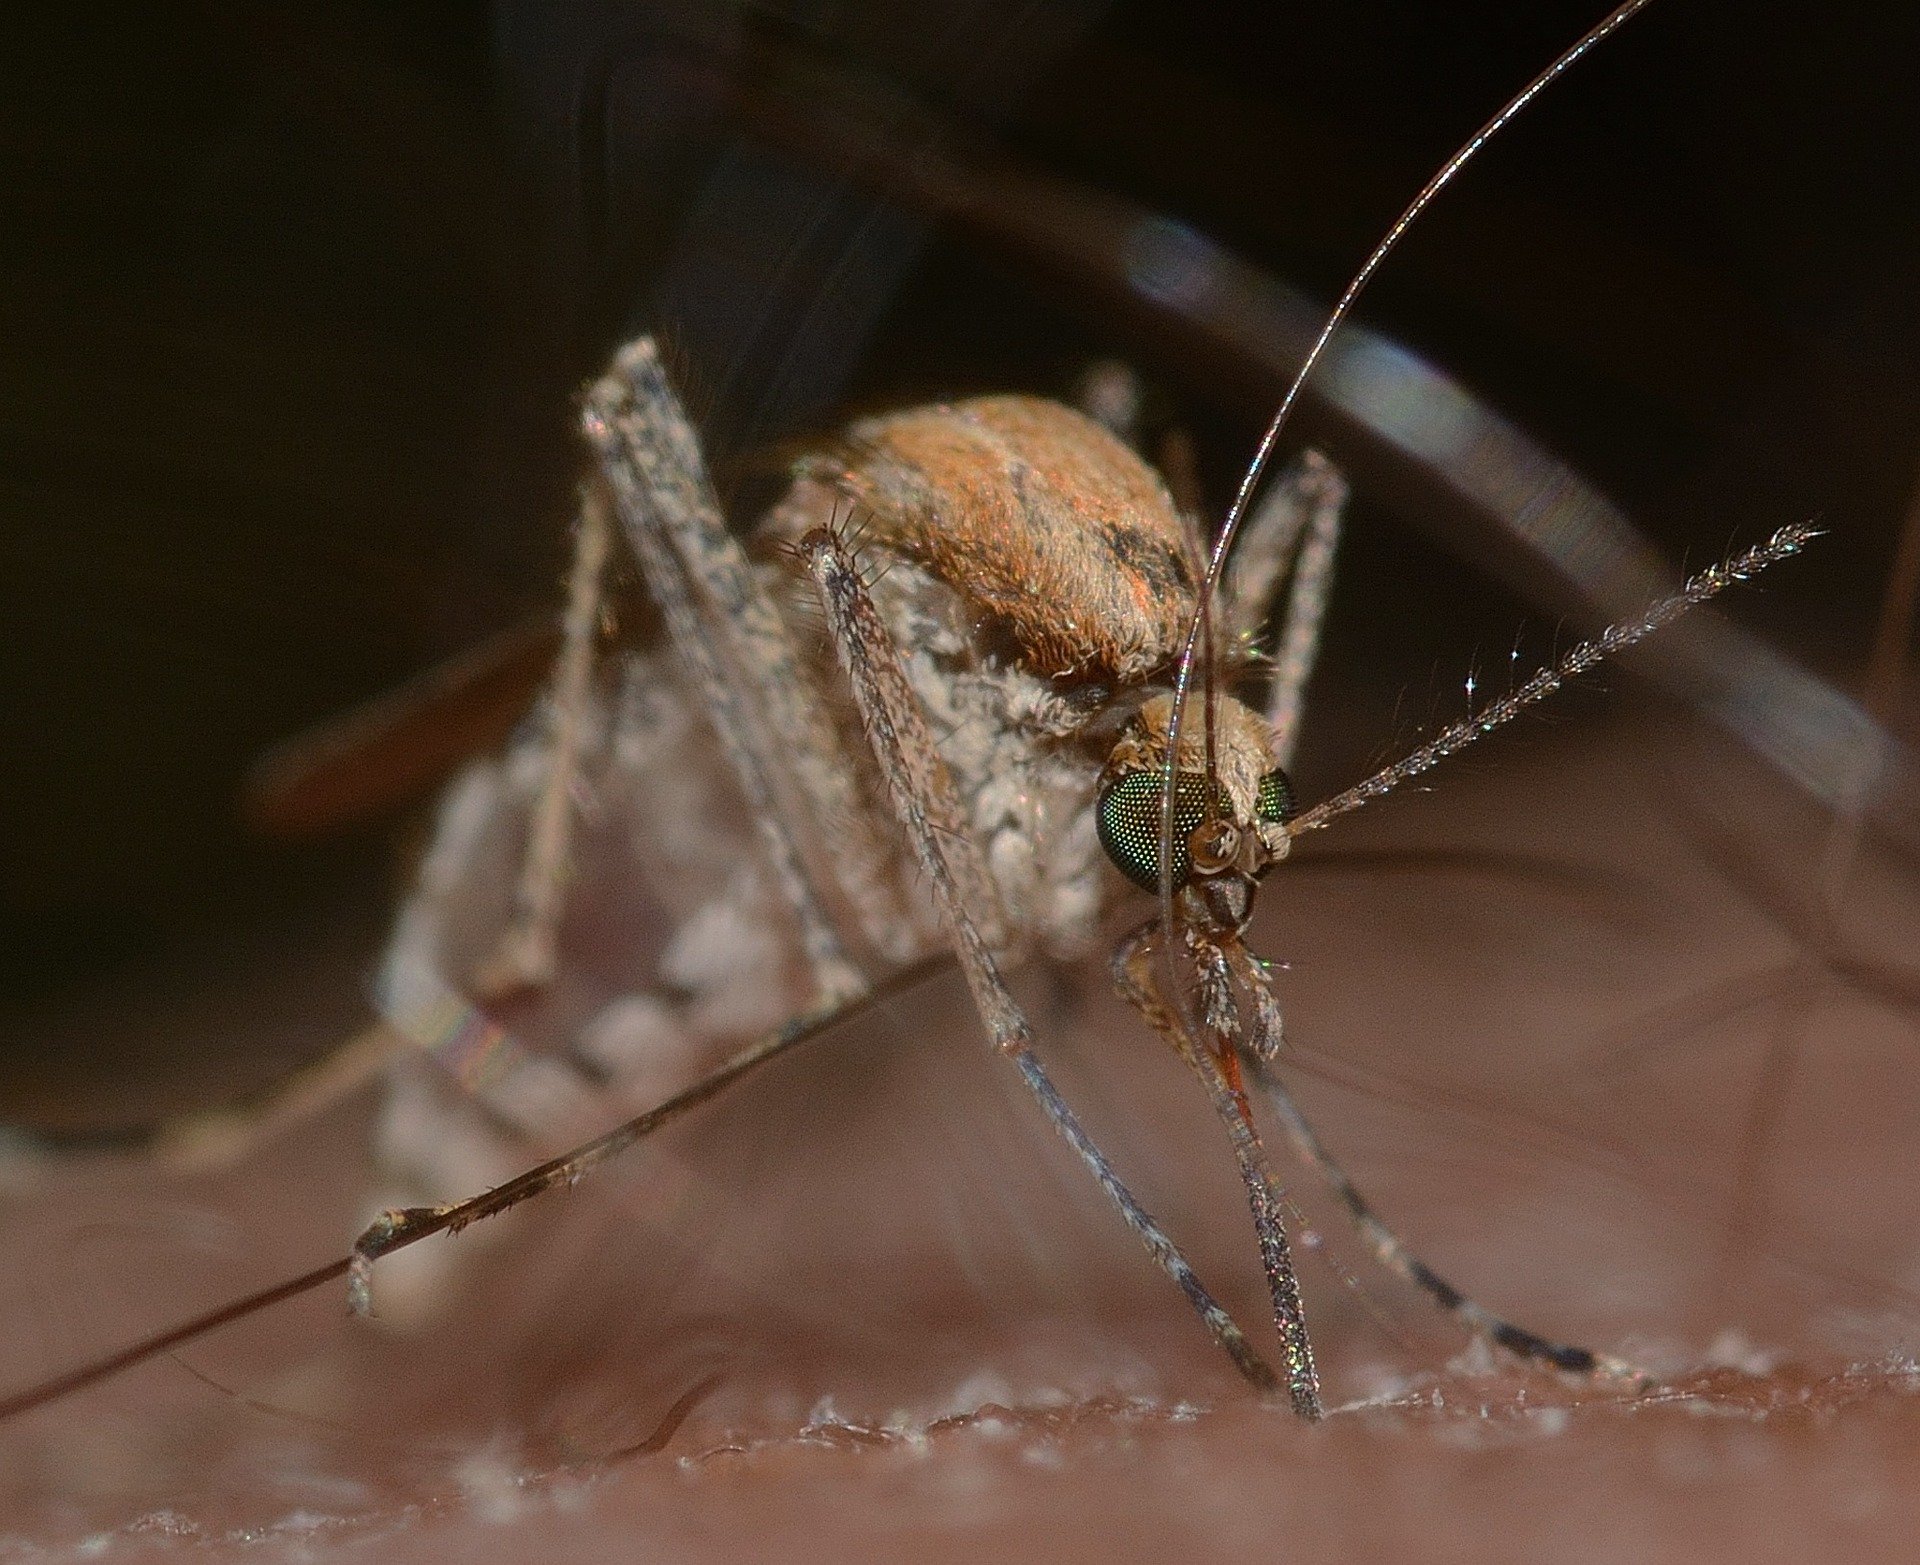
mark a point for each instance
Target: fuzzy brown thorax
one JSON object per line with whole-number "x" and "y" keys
{"x": 1040, "y": 517}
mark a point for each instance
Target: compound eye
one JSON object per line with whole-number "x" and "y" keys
{"x": 1275, "y": 803}
{"x": 1128, "y": 814}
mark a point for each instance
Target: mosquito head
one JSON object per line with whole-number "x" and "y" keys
{"x": 1229, "y": 820}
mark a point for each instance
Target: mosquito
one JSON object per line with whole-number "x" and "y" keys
{"x": 974, "y": 677}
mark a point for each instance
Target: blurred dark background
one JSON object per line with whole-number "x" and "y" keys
{"x": 296, "y": 300}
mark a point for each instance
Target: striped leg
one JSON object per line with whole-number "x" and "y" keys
{"x": 923, "y": 798}
{"x": 1392, "y": 1253}
{"x": 737, "y": 649}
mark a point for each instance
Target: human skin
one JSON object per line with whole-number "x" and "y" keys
{"x": 866, "y": 1306}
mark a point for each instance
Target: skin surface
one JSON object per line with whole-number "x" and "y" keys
{"x": 866, "y": 1306}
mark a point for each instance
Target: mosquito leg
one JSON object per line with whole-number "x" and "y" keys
{"x": 1264, "y": 553}
{"x": 217, "y": 1138}
{"x": 923, "y": 797}
{"x": 525, "y": 956}
{"x": 517, "y": 1089}
{"x": 726, "y": 701}
{"x": 1219, "y": 1073}
{"x": 1392, "y": 1253}
{"x": 225, "y": 1135}
{"x": 397, "y": 1229}
{"x": 421, "y": 1016}
{"x": 1322, "y": 493}
{"x": 742, "y": 658}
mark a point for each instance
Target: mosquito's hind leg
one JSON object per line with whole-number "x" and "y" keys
{"x": 207, "y": 1140}
{"x": 923, "y": 798}
{"x": 746, "y": 670}
{"x": 525, "y": 956}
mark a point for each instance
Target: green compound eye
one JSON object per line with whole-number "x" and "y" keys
{"x": 1275, "y": 803}
{"x": 1128, "y": 817}
{"x": 1129, "y": 820}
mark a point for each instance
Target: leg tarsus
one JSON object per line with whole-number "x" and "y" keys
{"x": 220, "y": 1138}
{"x": 1392, "y": 1253}
{"x": 403, "y": 1226}
{"x": 1224, "y": 1329}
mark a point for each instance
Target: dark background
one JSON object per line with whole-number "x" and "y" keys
{"x": 295, "y": 300}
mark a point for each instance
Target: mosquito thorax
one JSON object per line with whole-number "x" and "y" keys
{"x": 1043, "y": 521}
{"x": 1227, "y": 827}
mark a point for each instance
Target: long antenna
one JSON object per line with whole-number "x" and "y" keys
{"x": 1715, "y": 579}
{"x": 1256, "y": 470}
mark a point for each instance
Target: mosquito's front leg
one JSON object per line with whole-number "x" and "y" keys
{"x": 1294, "y": 532}
{"x": 1319, "y": 486}
{"x": 1218, "y": 1068}
{"x": 923, "y": 797}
